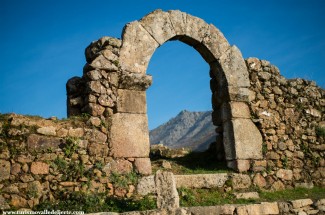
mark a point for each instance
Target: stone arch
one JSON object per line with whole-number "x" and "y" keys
{"x": 229, "y": 84}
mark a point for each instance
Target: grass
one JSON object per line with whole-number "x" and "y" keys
{"x": 320, "y": 131}
{"x": 193, "y": 163}
{"x": 209, "y": 197}
{"x": 91, "y": 203}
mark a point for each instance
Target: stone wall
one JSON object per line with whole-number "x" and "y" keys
{"x": 43, "y": 159}
{"x": 289, "y": 115}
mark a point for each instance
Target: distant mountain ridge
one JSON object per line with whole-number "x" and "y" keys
{"x": 193, "y": 130}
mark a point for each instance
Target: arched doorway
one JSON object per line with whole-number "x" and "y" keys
{"x": 229, "y": 84}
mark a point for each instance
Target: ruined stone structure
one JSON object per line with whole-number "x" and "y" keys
{"x": 114, "y": 83}
{"x": 273, "y": 129}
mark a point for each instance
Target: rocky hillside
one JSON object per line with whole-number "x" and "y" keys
{"x": 193, "y": 130}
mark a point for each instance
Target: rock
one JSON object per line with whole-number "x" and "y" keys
{"x": 201, "y": 180}
{"x": 3, "y": 204}
{"x": 49, "y": 130}
{"x": 39, "y": 168}
{"x": 76, "y": 132}
{"x": 301, "y": 203}
{"x": 39, "y": 143}
{"x": 265, "y": 76}
{"x": 94, "y": 109}
{"x": 34, "y": 189}
{"x": 166, "y": 165}
{"x": 240, "y": 181}
{"x": 11, "y": 189}
{"x": 313, "y": 112}
{"x": 167, "y": 196}
{"x": 242, "y": 140}
{"x": 159, "y": 25}
{"x": 129, "y": 135}
{"x": 131, "y": 101}
{"x": 4, "y": 170}
{"x": 100, "y": 150}
{"x": 93, "y": 135}
{"x": 106, "y": 100}
{"x": 137, "y": 45}
{"x": 95, "y": 121}
{"x": 94, "y": 75}
{"x": 284, "y": 174}
{"x": 259, "y": 180}
{"x": 102, "y": 62}
{"x": 18, "y": 202}
{"x": 143, "y": 166}
{"x": 211, "y": 210}
{"x": 15, "y": 169}
{"x": 278, "y": 185}
{"x": 263, "y": 208}
{"x": 247, "y": 195}
{"x": 26, "y": 178}
{"x": 146, "y": 185}
{"x": 121, "y": 166}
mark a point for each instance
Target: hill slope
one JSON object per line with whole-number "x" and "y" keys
{"x": 192, "y": 130}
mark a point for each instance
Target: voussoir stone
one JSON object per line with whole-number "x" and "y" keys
{"x": 41, "y": 143}
{"x": 234, "y": 68}
{"x": 158, "y": 24}
{"x": 235, "y": 110}
{"x": 196, "y": 28}
{"x": 178, "y": 20}
{"x": 137, "y": 48}
{"x": 129, "y": 135}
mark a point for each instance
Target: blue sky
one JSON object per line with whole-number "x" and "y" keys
{"x": 42, "y": 46}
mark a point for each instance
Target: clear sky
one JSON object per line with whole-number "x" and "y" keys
{"x": 42, "y": 46}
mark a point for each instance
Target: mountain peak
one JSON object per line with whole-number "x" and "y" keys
{"x": 188, "y": 129}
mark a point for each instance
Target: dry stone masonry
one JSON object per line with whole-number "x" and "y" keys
{"x": 114, "y": 83}
{"x": 272, "y": 129}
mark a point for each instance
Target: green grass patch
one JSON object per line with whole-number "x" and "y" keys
{"x": 91, "y": 203}
{"x": 209, "y": 197}
{"x": 320, "y": 131}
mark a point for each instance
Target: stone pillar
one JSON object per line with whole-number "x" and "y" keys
{"x": 167, "y": 195}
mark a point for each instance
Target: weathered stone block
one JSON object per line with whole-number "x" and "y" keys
{"x": 201, "y": 180}
{"x": 234, "y": 68}
{"x": 211, "y": 210}
{"x": 137, "y": 48}
{"x": 239, "y": 165}
{"x": 240, "y": 181}
{"x": 39, "y": 168}
{"x": 233, "y": 110}
{"x": 216, "y": 43}
{"x": 130, "y": 101}
{"x": 285, "y": 174}
{"x": 40, "y": 143}
{"x": 178, "y": 20}
{"x": 121, "y": 166}
{"x": 146, "y": 185}
{"x": 143, "y": 166}
{"x": 129, "y": 135}
{"x": 158, "y": 24}
{"x": 47, "y": 130}
{"x": 101, "y": 62}
{"x": 94, "y": 109}
{"x": 167, "y": 196}
{"x": 4, "y": 170}
{"x": 242, "y": 140}
{"x": 100, "y": 150}
{"x": 196, "y": 28}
